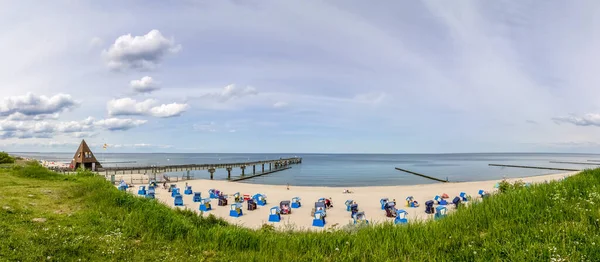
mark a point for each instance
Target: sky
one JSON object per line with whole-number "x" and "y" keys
{"x": 336, "y": 76}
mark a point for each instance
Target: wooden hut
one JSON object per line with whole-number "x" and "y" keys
{"x": 85, "y": 158}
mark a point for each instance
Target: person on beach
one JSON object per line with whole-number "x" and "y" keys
{"x": 288, "y": 186}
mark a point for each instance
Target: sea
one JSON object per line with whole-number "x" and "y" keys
{"x": 351, "y": 170}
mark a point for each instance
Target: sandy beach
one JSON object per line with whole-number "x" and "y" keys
{"x": 367, "y": 199}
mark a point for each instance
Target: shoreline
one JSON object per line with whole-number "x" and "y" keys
{"x": 367, "y": 198}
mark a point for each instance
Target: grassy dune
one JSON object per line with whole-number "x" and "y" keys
{"x": 45, "y": 215}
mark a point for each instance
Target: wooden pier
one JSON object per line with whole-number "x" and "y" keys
{"x": 421, "y": 175}
{"x": 272, "y": 165}
{"x": 240, "y": 178}
{"x": 537, "y": 167}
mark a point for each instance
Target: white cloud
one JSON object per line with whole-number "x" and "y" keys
{"x": 149, "y": 107}
{"x": 31, "y": 105}
{"x": 231, "y": 92}
{"x": 144, "y": 85}
{"x": 46, "y": 129}
{"x": 139, "y": 52}
{"x": 119, "y": 124}
{"x": 23, "y": 117}
{"x": 280, "y": 104}
{"x": 585, "y": 120}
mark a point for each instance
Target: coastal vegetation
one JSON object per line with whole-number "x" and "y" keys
{"x": 50, "y": 216}
{"x": 5, "y": 158}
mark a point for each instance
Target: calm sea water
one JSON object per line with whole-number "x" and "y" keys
{"x": 347, "y": 170}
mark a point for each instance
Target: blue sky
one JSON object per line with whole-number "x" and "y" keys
{"x": 300, "y": 76}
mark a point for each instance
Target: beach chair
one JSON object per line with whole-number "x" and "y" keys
{"x": 197, "y": 197}
{"x": 188, "y": 190}
{"x": 213, "y": 193}
{"x": 151, "y": 190}
{"x": 251, "y": 204}
{"x": 456, "y": 201}
{"x": 319, "y": 206}
{"x": 360, "y": 218}
{"x": 464, "y": 197}
{"x": 150, "y": 195}
{"x": 237, "y": 198}
{"x": 440, "y": 200}
{"x": 483, "y": 194}
{"x": 260, "y": 199}
{"x": 174, "y": 192}
{"x": 440, "y": 212}
{"x": 275, "y": 214}
{"x": 171, "y": 187}
{"x": 401, "y": 217}
{"x": 284, "y": 207}
{"x": 390, "y": 209}
{"x": 178, "y": 200}
{"x": 348, "y": 203}
{"x": 353, "y": 209}
{"x": 383, "y": 202}
{"x": 429, "y": 207}
{"x": 222, "y": 201}
{"x": 411, "y": 202}
{"x": 205, "y": 205}
{"x": 236, "y": 210}
{"x": 296, "y": 202}
{"x": 247, "y": 197}
{"x": 142, "y": 191}
{"x": 319, "y": 219}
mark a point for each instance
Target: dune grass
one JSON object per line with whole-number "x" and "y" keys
{"x": 87, "y": 218}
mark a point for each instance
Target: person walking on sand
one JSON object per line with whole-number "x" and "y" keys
{"x": 288, "y": 186}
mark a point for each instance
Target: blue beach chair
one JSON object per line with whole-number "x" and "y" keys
{"x": 383, "y": 201}
{"x": 319, "y": 219}
{"x": 464, "y": 197}
{"x": 296, "y": 202}
{"x": 440, "y": 212}
{"x": 260, "y": 199}
{"x": 178, "y": 200}
{"x": 348, "y": 203}
{"x": 205, "y": 205}
{"x": 150, "y": 195}
{"x": 236, "y": 210}
{"x": 275, "y": 214}
{"x": 197, "y": 197}
{"x": 401, "y": 217}
{"x": 142, "y": 191}
{"x": 175, "y": 192}
{"x": 188, "y": 190}
{"x": 440, "y": 200}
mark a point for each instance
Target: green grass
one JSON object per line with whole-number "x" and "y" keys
{"x": 88, "y": 219}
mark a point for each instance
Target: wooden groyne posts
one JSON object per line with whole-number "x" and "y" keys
{"x": 575, "y": 163}
{"x": 421, "y": 175}
{"x": 537, "y": 167}
{"x": 272, "y": 164}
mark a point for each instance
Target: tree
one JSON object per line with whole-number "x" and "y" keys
{"x": 5, "y": 158}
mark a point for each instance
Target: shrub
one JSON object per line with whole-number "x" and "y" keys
{"x": 5, "y": 158}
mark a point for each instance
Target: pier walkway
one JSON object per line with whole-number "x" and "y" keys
{"x": 272, "y": 165}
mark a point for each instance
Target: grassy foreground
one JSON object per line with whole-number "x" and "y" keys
{"x": 49, "y": 216}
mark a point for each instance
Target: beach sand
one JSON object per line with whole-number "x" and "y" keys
{"x": 367, "y": 199}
